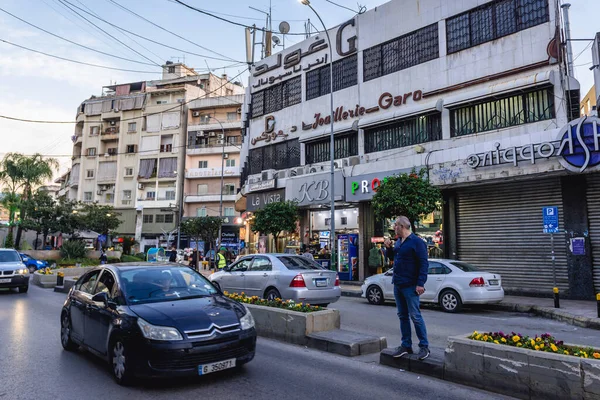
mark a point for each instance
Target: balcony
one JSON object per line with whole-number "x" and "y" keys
{"x": 194, "y": 173}
{"x": 77, "y": 139}
{"x": 213, "y": 125}
{"x": 209, "y": 198}
{"x": 110, "y": 133}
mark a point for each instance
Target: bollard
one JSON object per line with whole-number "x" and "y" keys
{"x": 598, "y": 303}
{"x": 556, "y": 298}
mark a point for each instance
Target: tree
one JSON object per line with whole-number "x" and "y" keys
{"x": 41, "y": 215}
{"x": 99, "y": 218}
{"x": 410, "y": 195}
{"x": 11, "y": 202}
{"x": 276, "y": 218}
{"x": 202, "y": 228}
{"x": 128, "y": 243}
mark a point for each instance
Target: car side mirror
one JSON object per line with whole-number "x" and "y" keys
{"x": 101, "y": 297}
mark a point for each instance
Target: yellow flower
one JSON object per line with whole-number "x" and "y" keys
{"x": 478, "y": 337}
{"x": 475, "y": 333}
{"x": 497, "y": 342}
{"x": 553, "y": 347}
{"x": 542, "y": 346}
{"x": 532, "y": 342}
{"x": 538, "y": 340}
{"x": 485, "y": 338}
{"x": 566, "y": 352}
{"x": 516, "y": 338}
{"x": 596, "y": 355}
{"x": 537, "y": 347}
{"x": 503, "y": 340}
{"x": 519, "y": 344}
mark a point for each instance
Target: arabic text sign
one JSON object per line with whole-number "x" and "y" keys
{"x": 550, "y": 219}
{"x": 211, "y": 172}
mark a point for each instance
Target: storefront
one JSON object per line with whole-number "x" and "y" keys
{"x": 261, "y": 195}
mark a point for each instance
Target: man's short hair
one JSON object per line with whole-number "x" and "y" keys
{"x": 404, "y": 221}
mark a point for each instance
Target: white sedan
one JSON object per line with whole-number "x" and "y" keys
{"x": 450, "y": 283}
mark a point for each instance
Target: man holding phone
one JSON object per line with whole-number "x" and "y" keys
{"x": 410, "y": 275}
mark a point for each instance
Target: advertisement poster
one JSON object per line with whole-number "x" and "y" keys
{"x": 262, "y": 244}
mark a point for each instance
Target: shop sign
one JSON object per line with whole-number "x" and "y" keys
{"x": 211, "y": 172}
{"x": 577, "y": 146}
{"x": 363, "y": 187}
{"x": 262, "y": 185}
{"x": 229, "y": 237}
{"x": 315, "y": 189}
{"x": 258, "y": 201}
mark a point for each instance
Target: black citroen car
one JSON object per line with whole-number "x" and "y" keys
{"x": 151, "y": 320}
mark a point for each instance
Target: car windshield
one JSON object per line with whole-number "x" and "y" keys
{"x": 298, "y": 262}
{"x": 464, "y": 266}
{"x": 9, "y": 256}
{"x": 158, "y": 283}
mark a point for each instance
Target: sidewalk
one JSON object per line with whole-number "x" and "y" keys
{"x": 582, "y": 313}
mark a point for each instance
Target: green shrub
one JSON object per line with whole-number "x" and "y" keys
{"x": 126, "y": 258}
{"x": 141, "y": 256}
{"x": 113, "y": 260}
{"x": 10, "y": 241}
{"x": 73, "y": 249}
{"x": 85, "y": 262}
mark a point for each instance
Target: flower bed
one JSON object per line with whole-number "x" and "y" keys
{"x": 545, "y": 342}
{"x": 277, "y": 303}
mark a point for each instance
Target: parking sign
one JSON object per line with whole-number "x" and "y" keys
{"x": 550, "y": 219}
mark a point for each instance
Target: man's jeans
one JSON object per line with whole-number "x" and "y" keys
{"x": 407, "y": 303}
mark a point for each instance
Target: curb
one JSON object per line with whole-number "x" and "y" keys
{"x": 351, "y": 293}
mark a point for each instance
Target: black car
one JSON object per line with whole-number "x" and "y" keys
{"x": 151, "y": 320}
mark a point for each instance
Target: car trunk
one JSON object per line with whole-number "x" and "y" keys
{"x": 319, "y": 280}
{"x": 492, "y": 281}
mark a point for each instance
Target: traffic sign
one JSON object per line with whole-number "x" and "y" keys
{"x": 550, "y": 219}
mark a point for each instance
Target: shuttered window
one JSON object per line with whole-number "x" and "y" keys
{"x": 345, "y": 74}
{"x": 277, "y": 97}
{"x": 276, "y": 156}
{"x": 406, "y": 132}
{"x": 345, "y": 145}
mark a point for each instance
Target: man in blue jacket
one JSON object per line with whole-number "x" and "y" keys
{"x": 410, "y": 275}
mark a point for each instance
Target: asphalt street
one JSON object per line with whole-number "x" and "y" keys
{"x": 33, "y": 365}
{"x": 358, "y": 315}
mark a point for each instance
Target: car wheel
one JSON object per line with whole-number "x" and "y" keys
{"x": 375, "y": 295}
{"x": 272, "y": 294}
{"x": 450, "y": 301}
{"x": 119, "y": 362}
{"x": 23, "y": 289}
{"x": 65, "y": 334}
{"x": 32, "y": 269}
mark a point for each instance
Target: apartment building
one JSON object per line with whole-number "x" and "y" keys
{"x": 212, "y": 165}
{"x": 129, "y": 148}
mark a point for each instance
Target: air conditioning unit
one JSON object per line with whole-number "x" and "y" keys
{"x": 269, "y": 174}
{"x": 239, "y": 110}
{"x": 225, "y": 156}
{"x": 196, "y": 113}
{"x": 352, "y": 161}
{"x": 211, "y": 134}
{"x": 220, "y": 141}
{"x": 113, "y": 123}
{"x": 221, "y": 136}
{"x": 140, "y": 186}
{"x": 299, "y": 171}
{"x": 180, "y": 100}
{"x": 312, "y": 170}
{"x": 200, "y": 134}
{"x": 337, "y": 165}
{"x": 99, "y": 192}
{"x": 254, "y": 179}
{"x": 283, "y": 174}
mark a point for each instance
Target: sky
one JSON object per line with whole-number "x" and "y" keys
{"x": 37, "y": 87}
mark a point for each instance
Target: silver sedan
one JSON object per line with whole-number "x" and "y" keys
{"x": 284, "y": 276}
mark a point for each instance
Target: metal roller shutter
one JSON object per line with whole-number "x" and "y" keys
{"x": 593, "y": 205}
{"x": 499, "y": 229}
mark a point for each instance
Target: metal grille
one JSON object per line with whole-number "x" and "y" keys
{"x": 277, "y": 97}
{"x": 179, "y": 361}
{"x": 345, "y": 145}
{"x": 258, "y": 103}
{"x": 593, "y": 205}
{"x": 420, "y": 129}
{"x": 492, "y": 21}
{"x": 402, "y": 52}
{"x": 503, "y": 112}
{"x": 345, "y": 74}
{"x": 499, "y": 229}
{"x": 276, "y": 156}
{"x": 292, "y": 91}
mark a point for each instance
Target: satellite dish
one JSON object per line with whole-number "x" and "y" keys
{"x": 284, "y": 28}
{"x": 276, "y": 40}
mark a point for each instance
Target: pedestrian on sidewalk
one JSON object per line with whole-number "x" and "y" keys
{"x": 410, "y": 275}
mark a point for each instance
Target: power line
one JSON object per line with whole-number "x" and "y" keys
{"x": 75, "y": 61}
{"x": 72, "y": 42}
{"x": 344, "y": 7}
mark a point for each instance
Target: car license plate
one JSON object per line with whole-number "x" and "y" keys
{"x": 216, "y": 366}
{"x": 321, "y": 282}
{"x": 493, "y": 282}
{"x": 5, "y": 280}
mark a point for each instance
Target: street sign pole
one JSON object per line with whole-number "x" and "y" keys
{"x": 553, "y": 258}
{"x": 550, "y": 223}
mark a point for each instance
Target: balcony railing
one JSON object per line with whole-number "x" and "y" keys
{"x": 111, "y": 130}
{"x": 212, "y": 172}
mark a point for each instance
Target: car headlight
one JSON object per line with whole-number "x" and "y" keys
{"x": 39, "y": 262}
{"x": 22, "y": 271}
{"x": 247, "y": 321}
{"x": 154, "y": 332}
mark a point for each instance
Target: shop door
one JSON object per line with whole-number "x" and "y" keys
{"x": 593, "y": 204}
{"x": 499, "y": 229}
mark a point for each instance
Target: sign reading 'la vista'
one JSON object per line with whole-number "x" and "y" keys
{"x": 577, "y": 145}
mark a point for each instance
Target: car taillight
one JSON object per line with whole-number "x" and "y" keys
{"x": 477, "y": 282}
{"x": 298, "y": 281}
{"x": 337, "y": 280}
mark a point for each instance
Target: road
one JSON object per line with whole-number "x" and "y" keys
{"x": 34, "y": 366}
{"x": 358, "y": 315}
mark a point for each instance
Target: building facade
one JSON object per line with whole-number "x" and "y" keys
{"x": 129, "y": 149}
{"x": 473, "y": 92}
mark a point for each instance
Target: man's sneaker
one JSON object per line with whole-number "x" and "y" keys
{"x": 402, "y": 351}
{"x": 423, "y": 353}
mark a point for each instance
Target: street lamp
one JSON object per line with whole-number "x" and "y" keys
{"x": 331, "y": 138}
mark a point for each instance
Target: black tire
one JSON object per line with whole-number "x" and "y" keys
{"x": 32, "y": 269}
{"x": 450, "y": 301}
{"x": 120, "y": 366}
{"x": 23, "y": 289}
{"x": 375, "y": 295}
{"x": 65, "y": 334}
{"x": 272, "y": 294}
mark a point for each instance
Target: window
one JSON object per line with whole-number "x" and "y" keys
{"x": 112, "y": 151}
{"x": 129, "y": 171}
{"x": 150, "y": 195}
{"x": 160, "y": 218}
{"x": 463, "y": 266}
{"x": 131, "y": 148}
{"x": 106, "y": 284}
{"x": 126, "y": 199}
{"x": 91, "y": 152}
{"x": 327, "y": 221}
{"x": 201, "y": 212}
{"x": 344, "y": 220}
{"x": 202, "y": 189}
{"x": 229, "y": 189}
{"x": 492, "y": 21}
{"x": 171, "y": 70}
{"x": 161, "y": 102}
{"x": 88, "y": 282}
{"x": 502, "y": 112}
{"x": 298, "y": 263}
{"x": 229, "y": 212}
{"x": 232, "y": 116}
{"x": 276, "y": 156}
{"x": 345, "y": 74}
{"x": 132, "y": 127}
{"x": 87, "y": 197}
{"x": 233, "y": 140}
{"x": 147, "y": 168}
{"x": 277, "y": 97}
{"x": 406, "y": 132}
{"x": 402, "y": 52}
{"x": 89, "y": 174}
{"x": 261, "y": 264}
{"x": 170, "y": 195}
{"x": 436, "y": 269}
{"x": 202, "y": 164}
{"x": 169, "y": 219}
{"x": 204, "y": 118}
{"x": 230, "y": 163}
{"x": 148, "y": 219}
{"x": 94, "y": 130}
{"x": 110, "y": 198}
{"x": 345, "y": 145}
{"x": 166, "y": 148}
{"x": 242, "y": 265}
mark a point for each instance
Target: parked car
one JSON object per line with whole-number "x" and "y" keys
{"x": 152, "y": 319}
{"x": 32, "y": 264}
{"x": 13, "y": 273}
{"x": 284, "y": 276}
{"x": 450, "y": 283}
